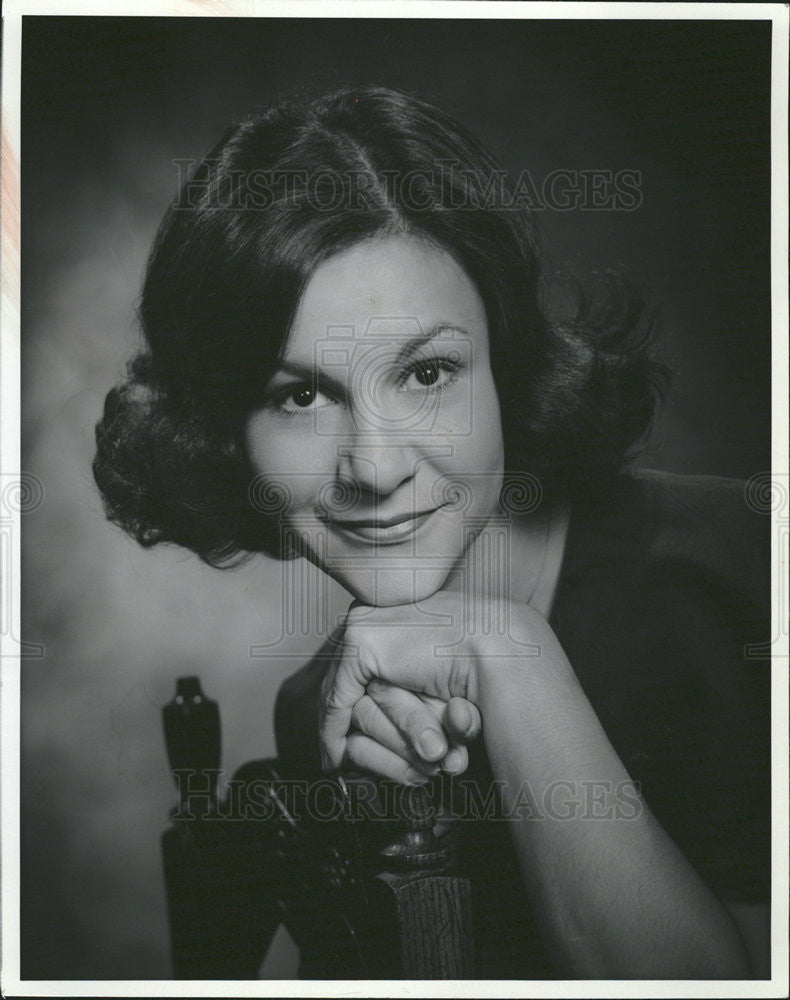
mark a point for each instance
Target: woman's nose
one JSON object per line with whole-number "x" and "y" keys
{"x": 378, "y": 464}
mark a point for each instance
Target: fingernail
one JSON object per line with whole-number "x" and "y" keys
{"x": 430, "y": 744}
{"x": 467, "y": 719}
{"x": 415, "y": 777}
{"x": 452, "y": 762}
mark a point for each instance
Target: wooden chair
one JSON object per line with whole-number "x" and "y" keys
{"x": 361, "y": 900}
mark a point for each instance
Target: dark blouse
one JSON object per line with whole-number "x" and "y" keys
{"x": 663, "y": 609}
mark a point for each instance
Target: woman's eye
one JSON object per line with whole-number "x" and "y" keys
{"x": 436, "y": 373}
{"x": 301, "y": 398}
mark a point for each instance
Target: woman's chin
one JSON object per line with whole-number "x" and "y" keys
{"x": 391, "y": 587}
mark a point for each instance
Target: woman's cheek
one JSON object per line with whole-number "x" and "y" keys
{"x": 478, "y": 445}
{"x": 282, "y": 445}
{"x": 258, "y": 442}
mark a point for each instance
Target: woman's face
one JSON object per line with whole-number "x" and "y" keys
{"x": 381, "y": 427}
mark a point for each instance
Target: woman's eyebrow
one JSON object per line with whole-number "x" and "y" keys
{"x": 417, "y": 342}
{"x": 314, "y": 373}
{"x": 308, "y": 373}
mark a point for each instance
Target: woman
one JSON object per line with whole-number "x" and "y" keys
{"x": 343, "y": 316}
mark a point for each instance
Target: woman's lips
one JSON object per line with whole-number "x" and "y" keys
{"x": 386, "y": 531}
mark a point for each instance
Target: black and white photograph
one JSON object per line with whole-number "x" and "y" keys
{"x": 395, "y": 503}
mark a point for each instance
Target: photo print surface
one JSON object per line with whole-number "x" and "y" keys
{"x": 399, "y": 391}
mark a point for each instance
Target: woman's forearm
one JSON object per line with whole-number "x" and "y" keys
{"x": 613, "y": 893}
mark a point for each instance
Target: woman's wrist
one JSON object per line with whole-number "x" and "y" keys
{"x": 526, "y": 656}
{"x": 537, "y": 721}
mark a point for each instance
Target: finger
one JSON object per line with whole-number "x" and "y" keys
{"x": 462, "y": 720}
{"x": 456, "y": 760}
{"x": 365, "y": 754}
{"x": 436, "y": 705}
{"x": 413, "y": 718}
{"x": 370, "y": 719}
{"x": 341, "y": 690}
{"x": 380, "y": 689}
{"x": 460, "y": 717}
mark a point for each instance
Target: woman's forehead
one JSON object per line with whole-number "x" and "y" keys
{"x": 389, "y": 292}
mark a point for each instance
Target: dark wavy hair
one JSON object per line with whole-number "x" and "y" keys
{"x": 281, "y": 192}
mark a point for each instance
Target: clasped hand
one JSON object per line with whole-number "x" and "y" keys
{"x": 402, "y": 698}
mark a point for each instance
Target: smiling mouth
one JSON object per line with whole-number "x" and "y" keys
{"x": 384, "y": 530}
